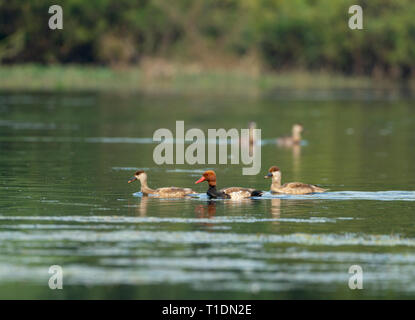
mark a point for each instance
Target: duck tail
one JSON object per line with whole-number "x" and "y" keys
{"x": 256, "y": 193}
{"x": 318, "y": 189}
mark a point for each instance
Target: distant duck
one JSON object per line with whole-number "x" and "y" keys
{"x": 250, "y": 141}
{"x": 252, "y": 127}
{"x": 168, "y": 192}
{"x": 292, "y": 187}
{"x": 294, "y": 139}
{"x": 234, "y": 193}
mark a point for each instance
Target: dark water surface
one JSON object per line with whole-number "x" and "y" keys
{"x": 64, "y": 200}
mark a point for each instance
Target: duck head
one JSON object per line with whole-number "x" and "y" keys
{"x": 139, "y": 175}
{"x": 297, "y": 128}
{"x": 209, "y": 176}
{"x": 273, "y": 172}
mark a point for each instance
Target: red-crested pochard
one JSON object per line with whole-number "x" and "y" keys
{"x": 294, "y": 139}
{"x": 291, "y": 187}
{"x": 226, "y": 193}
{"x": 252, "y": 127}
{"x": 168, "y": 192}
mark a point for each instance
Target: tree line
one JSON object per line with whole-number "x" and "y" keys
{"x": 277, "y": 34}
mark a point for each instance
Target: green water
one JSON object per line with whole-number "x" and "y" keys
{"x": 64, "y": 199}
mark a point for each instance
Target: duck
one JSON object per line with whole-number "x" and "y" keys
{"x": 292, "y": 187}
{"x": 252, "y": 127}
{"x": 167, "y": 192}
{"x": 294, "y": 139}
{"x": 250, "y": 141}
{"x": 234, "y": 193}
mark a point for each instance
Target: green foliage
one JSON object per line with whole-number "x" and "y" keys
{"x": 284, "y": 34}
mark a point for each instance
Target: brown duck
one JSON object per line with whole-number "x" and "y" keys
{"x": 167, "y": 192}
{"x": 294, "y": 139}
{"x": 291, "y": 187}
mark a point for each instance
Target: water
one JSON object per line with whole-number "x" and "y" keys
{"x": 64, "y": 200}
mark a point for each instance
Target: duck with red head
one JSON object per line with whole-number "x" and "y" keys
{"x": 292, "y": 187}
{"x": 235, "y": 193}
{"x": 168, "y": 192}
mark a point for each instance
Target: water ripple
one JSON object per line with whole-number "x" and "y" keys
{"x": 349, "y": 195}
{"x": 122, "y": 219}
{"x": 199, "y": 237}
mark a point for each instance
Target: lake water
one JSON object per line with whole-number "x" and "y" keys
{"x": 64, "y": 199}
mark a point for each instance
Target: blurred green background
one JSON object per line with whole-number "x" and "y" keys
{"x": 200, "y": 39}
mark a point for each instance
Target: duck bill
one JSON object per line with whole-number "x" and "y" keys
{"x": 269, "y": 175}
{"x": 132, "y": 179}
{"x": 200, "y": 180}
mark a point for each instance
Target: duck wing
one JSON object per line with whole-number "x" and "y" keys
{"x": 296, "y": 185}
{"x": 300, "y": 188}
{"x": 319, "y": 190}
{"x": 238, "y": 192}
{"x": 284, "y": 141}
{"x": 174, "y": 191}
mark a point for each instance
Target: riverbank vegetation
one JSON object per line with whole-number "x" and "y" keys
{"x": 206, "y": 44}
{"x": 176, "y": 79}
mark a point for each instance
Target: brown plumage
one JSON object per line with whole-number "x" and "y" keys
{"x": 291, "y": 187}
{"x": 167, "y": 192}
{"x": 294, "y": 139}
{"x": 235, "y": 193}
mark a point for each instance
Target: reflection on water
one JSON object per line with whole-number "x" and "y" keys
{"x": 207, "y": 211}
{"x": 64, "y": 200}
{"x": 276, "y": 208}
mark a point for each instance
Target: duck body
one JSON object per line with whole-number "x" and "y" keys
{"x": 213, "y": 193}
{"x": 169, "y": 192}
{"x": 241, "y": 193}
{"x": 292, "y": 187}
{"x": 297, "y": 188}
{"x": 287, "y": 141}
{"x": 166, "y": 192}
{"x": 235, "y": 193}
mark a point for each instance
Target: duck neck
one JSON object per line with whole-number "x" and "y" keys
{"x": 276, "y": 182}
{"x": 251, "y": 136}
{"x": 296, "y": 135}
{"x": 144, "y": 187}
{"x": 212, "y": 188}
{"x": 213, "y": 193}
{"x": 212, "y": 185}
